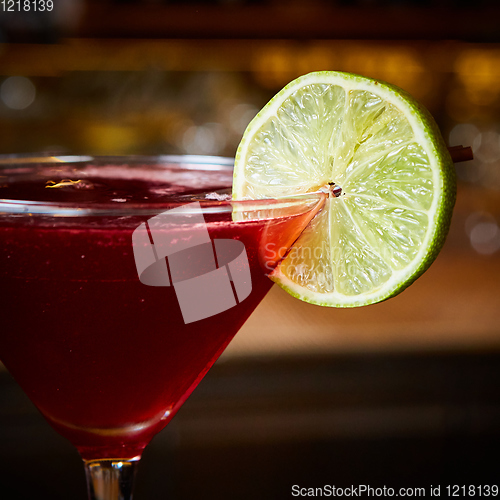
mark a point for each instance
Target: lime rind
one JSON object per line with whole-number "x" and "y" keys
{"x": 386, "y": 152}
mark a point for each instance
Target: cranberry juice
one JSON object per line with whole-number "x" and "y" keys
{"x": 107, "y": 359}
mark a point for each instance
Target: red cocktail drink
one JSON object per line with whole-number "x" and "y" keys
{"x": 107, "y": 359}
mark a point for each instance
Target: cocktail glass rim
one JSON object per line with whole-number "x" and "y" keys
{"x": 18, "y": 164}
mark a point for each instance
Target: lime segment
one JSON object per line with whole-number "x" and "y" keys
{"x": 397, "y": 183}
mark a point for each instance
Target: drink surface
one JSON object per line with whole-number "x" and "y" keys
{"x": 107, "y": 359}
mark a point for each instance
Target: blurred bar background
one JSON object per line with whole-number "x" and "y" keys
{"x": 404, "y": 393}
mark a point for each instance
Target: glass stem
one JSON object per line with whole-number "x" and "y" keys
{"x": 110, "y": 479}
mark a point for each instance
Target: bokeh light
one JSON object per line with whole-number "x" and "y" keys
{"x": 484, "y": 232}
{"x": 17, "y": 92}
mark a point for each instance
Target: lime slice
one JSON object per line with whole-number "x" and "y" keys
{"x": 386, "y": 158}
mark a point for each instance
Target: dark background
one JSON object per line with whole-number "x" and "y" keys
{"x": 405, "y": 393}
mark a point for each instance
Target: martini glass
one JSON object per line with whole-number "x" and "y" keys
{"x": 115, "y": 269}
